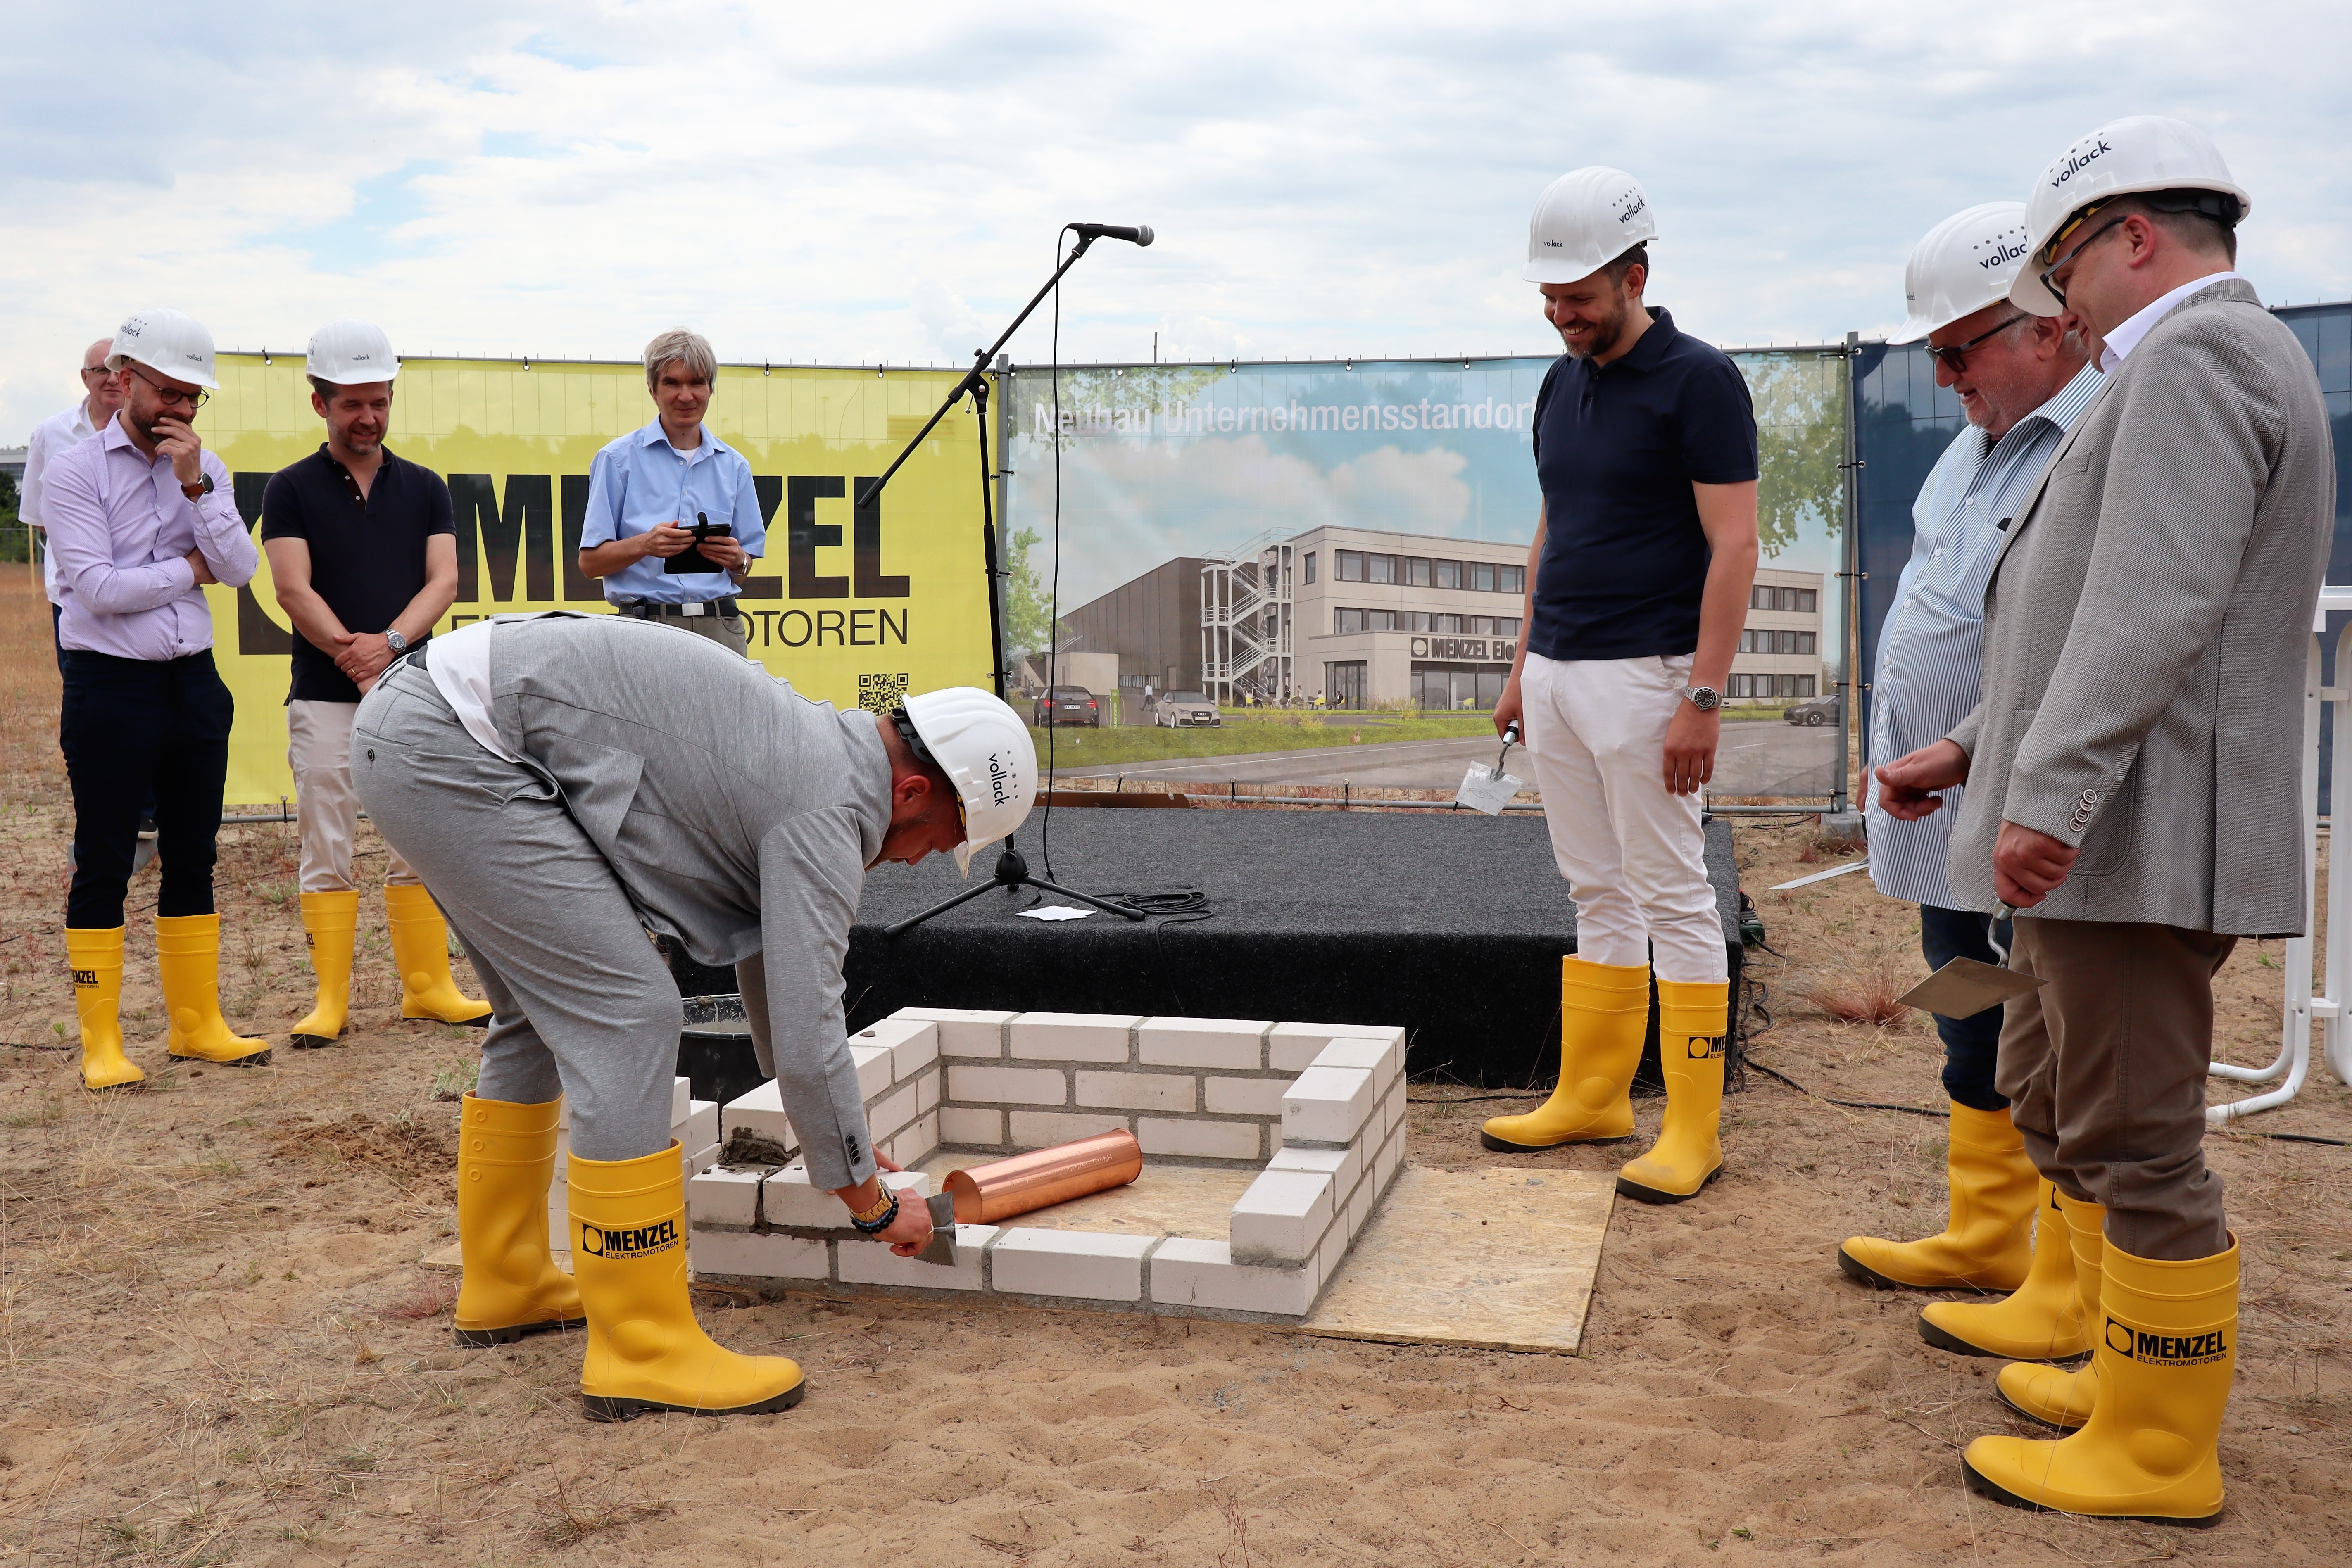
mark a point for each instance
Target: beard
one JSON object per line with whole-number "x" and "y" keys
{"x": 1605, "y": 333}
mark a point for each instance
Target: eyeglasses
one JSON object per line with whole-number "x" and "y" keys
{"x": 1954, "y": 358}
{"x": 95, "y": 371}
{"x": 194, "y": 399}
{"x": 2060, "y": 238}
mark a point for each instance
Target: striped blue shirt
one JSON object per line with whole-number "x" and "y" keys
{"x": 1932, "y": 647}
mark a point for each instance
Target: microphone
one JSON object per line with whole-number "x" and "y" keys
{"x": 1140, "y": 234}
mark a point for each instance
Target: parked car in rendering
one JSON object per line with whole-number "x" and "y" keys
{"x": 1815, "y": 712}
{"x": 1066, "y": 705}
{"x": 1185, "y": 710}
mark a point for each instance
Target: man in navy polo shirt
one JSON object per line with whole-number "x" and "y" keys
{"x": 1637, "y": 588}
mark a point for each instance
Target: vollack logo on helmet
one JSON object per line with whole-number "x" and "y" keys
{"x": 998, "y": 778}
{"x": 2004, "y": 253}
{"x": 1555, "y": 244}
{"x": 1641, "y": 203}
{"x": 2078, "y": 162}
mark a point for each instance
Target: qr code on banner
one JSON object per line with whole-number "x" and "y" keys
{"x": 880, "y": 694}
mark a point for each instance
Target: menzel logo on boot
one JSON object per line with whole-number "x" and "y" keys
{"x": 85, "y": 977}
{"x": 2167, "y": 1350}
{"x": 633, "y": 1241}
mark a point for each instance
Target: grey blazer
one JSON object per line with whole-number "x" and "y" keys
{"x": 2146, "y": 632}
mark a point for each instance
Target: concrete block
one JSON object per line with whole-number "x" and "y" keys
{"x": 1345, "y": 1166}
{"x": 762, "y": 1111}
{"x": 1327, "y": 1106}
{"x": 791, "y": 1199}
{"x": 918, "y": 1141}
{"x": 1244, "y": 1096}
{"x": 721, "y": 1198}
{"x": 761, "y": 1257}
{"x": 1007, "y": 1085}
{"x": 681, "y": 1100}
{"x": 1188, "y": 1273}
{"x": 959, "y": 1125}
{"x": 1139, "y": 1090}
{"x": 1385, "y": 1163}
{"x": 1332, "y": 1253}
{"x": 1359, "y": 1207}
{"x": 1043, "y": 1129}
{"x": 964, "y": 1031}
{"x": 863, "y": 1262}
{"x": 1071, "y": 1036}
{"x": 1383, "y": 1058}
{"x": 700, "y": 1127}
{"x": 927, "y": 1089}
{"x": 889, "y": 1114}
{"x": 1280, "y": 1218}
{"x": 701, "y": 1160}
{"x": 873, "y": 1069}
{"x": 1088, "y": 1264}
{"x": 1393, "y": 1108}
{"x": 1293, "y": 1047}
{"x": 913, "y": 1044}
{"x": 1233, "y": 1044}
{"x": 1198, "y": 1140}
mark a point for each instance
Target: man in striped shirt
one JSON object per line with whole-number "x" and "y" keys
{"x": 2022, "y": 381}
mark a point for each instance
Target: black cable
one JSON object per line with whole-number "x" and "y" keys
{"x": 1184, "y": 906}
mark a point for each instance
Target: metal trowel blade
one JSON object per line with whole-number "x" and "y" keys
{"x": 1967, "y": 987}
{"x": 942, "y": 1249}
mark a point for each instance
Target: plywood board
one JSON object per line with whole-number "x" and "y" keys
{"x": 1195, "y": 1201}
{"x": 1426, "y": 1270}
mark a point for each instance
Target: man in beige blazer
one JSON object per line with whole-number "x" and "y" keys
{"x": 2133, "y": 778}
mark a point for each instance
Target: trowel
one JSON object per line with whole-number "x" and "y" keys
{"x": 942, "y": 1249}
{"x": 1964, "y": 988}
{"x": 1489, "y": 789}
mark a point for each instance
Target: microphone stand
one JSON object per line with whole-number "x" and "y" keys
{"x": 1011, "y": 870}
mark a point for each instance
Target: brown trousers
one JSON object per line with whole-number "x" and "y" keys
{"x": 2105, "y": 1067}
{"x": 727, "y": 630}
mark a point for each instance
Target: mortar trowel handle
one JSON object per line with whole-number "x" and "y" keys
{"x": 2001, "y": 911}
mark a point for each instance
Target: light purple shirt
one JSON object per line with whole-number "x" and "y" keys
{"x": 120, "y": 530}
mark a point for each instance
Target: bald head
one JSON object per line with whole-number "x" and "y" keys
{"x": 101, "y": 386}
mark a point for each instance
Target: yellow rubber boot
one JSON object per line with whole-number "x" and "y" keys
{"x": 187, "y": 951}
{"x": 96, "y": 960}
{"x": 1604, "y": 1012}
{"x": 645, "y": 1352}
{"x": 1692, "y": 1025}
{"x": 506, "y": 1158}
{"x": 1987, "y": 1243}
{"x": 420, "y": 947}
{"x": 2052, "y": 1395}
{"x": 329, "y": 923}
{"x": 2041, "y": 1320}
{"x": 2167, "y": 1350}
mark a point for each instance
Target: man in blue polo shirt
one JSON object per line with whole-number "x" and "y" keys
{"x": 1637, "y": 589}
{"x": 652, "y": 492}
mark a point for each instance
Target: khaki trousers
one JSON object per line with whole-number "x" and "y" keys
{"x": 727, "y": 631}
{"x": 327, "y": 809}
{"x": 2105, "y": 1067}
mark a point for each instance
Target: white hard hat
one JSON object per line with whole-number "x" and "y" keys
{"x": 1966, "y": 263}
{"x": 982, "y": 746}
{"x": 2144, "y": 152}
{"x": 168, "y": 341}
{"x": 1584, "y": 220}
{"x": 351, "y": 353}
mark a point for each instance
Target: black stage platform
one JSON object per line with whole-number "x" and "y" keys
{"x": 1451, "y": 924}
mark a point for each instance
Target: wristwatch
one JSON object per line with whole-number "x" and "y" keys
{"x": 395, "y": 642}
{"x": 1707, "y": 699}
{"x": 201, "y": 488}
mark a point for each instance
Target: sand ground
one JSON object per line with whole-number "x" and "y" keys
{"x": 217, "y": 1346}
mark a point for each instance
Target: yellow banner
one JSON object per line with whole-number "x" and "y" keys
{"x": 851, "y": 606}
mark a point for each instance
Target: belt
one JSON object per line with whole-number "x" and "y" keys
{"x": 645, "y": 609}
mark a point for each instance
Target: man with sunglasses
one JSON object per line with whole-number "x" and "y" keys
{"x": 140, "y": 518}
{"x": 2022, "y": 381}
{"x": 102, "y": 395}
{"x": 2136, "y": 760}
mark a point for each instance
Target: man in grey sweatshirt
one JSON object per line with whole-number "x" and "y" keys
{"x": 567, "y": 783}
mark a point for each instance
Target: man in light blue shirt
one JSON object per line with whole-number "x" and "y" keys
{"x": 2023, "y": 382}
{"x": 654, "y": 492}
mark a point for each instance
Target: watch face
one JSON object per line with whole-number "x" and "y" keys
{"x": 1707, "y": 699}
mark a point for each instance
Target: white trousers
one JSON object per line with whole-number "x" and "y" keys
{"x": 327, "y": 809}
{"x": 1633, "y": 853}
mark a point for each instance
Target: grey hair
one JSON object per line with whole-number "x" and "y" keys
{"x": 692, "y": 349}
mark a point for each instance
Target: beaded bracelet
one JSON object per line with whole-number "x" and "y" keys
{"x": 889, "y": 1215}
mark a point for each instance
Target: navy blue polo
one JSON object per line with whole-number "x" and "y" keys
{"x": 1617, "y": 450}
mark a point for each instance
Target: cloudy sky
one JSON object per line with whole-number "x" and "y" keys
{"x": 828, "y": 182}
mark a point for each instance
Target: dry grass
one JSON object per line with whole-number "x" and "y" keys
{"x": 1866, "y": 995}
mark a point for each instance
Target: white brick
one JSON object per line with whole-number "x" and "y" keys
{"x": 1188, "y": 1273}
{"x": 962, "y": 1030}
{"x": 913, "y": 1044}
{"x": 1282, "y": 1215}
{"x": 721, "y": 1198}
{"x": 1344, "y": 1166}
{"x": 1200, "y": 1140}
{"x": 959, "y": 1124}
{"x": 1229, "y": 1044}
{"x": 759, "y": 1256}
{"x": 894, "y": 1111}
{"x": 1385, "y": 1164}
{"x": 1327, "y": 1106}
{"x": 1043, "y": 1129}
{"x": 1007, "y": 1085}
{"x": 873, "y": 1069}
{"x": 700, "y": 1127}
{"x": 1332, "y": 1253}
{"x": 1095, "y": 1266}
{"x": 762, "y": 1111}
{"x": 927, "y": 1089}
{"x": 681, "y": 1100}
{"x": 701, "y": 1160}
{"x": 1392, "y": 1109}
{"x": 1071, "y": 1036}
{"x": 918, "y": 1142}
{"x": 1245, "y": 1096}
{"x": 1139, "y": 1090}
{"x": 790, "y": 1198}
{"x": 1293, "y": 1047}
{"x": 1359, "y": 1207}
{"x": 1383, "y": 1058}
{"x": 865, "y": 1262}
